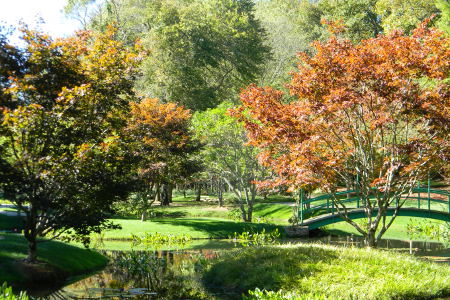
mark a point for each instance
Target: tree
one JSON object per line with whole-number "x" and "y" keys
{"x": 62, "y": 158}
{"x": 10, "y": 65}
{"x": 379, "y": 109}
{"x": 404, "y": 14}
{"x": 444, "y": 20}
{"x": 292, "y": 26}
{"x": 162, "y": 143}
{"x": 226, "y": 155}
{"x": 201, "y": 52}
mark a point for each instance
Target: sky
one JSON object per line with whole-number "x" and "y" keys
{"x": 30, "y": 11}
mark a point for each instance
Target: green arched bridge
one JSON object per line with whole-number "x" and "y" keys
{"x": 422, "y": 203}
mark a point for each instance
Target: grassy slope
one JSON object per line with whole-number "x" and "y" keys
{"x": 330, "y": 271}
{"x": 67, "y": 258}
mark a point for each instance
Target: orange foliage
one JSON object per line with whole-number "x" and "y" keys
{"x": 380, "y": 109}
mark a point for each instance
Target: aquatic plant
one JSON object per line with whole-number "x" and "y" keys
{"x": 247, "y": 238}
{"x": 159, "y": 239}
{"x": 6, "y": 293}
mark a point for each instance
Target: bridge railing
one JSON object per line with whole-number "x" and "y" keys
{"x": 323, "y": 204}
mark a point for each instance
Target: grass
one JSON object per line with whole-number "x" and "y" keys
{"x": 68, "y": 259}
{"x": 196, "y": 228}
{"x": 340, "y": 273}
{"x": 397, "y": 231}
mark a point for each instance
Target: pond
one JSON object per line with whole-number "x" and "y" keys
{"x": 138, "y": 273}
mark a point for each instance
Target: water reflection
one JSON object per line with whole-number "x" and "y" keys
{"x": 176, "y": 274}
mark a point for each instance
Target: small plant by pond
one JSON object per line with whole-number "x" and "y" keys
{"x": 247, "y": 238}
{"x": 158, "y": 239}
{"x": 429, "y": 230}
{"x": 6, "y": 293}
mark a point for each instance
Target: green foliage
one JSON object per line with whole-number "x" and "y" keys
{"x": 201, "y": 52}
{"x": 247, "y": 238}
{"x": 157, "y": 240}
{"x": 429, "y": 230}
{"x": 292, "y": 26}
{"x": 444, "y": 19}
{"x": 404, "y": 14}
{"x": 60, "y": 147}
{"x": 234, "y": 214}
{"x": 226, "y": 154}
{"x": 6, "y": 293}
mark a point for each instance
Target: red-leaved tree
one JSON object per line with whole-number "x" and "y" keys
{"x": 379, "y": 109}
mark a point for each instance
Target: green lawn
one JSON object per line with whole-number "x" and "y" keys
{"x": 68, "y": 259}
{"x": 196, "y": 228}
{"x": 397, "y": 231}
{"x": 327, "y": 271}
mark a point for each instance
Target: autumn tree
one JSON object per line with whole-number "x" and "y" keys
{"x": 378, "y": 109}
{"x": 162, "y": 144}
{"x": 62, "y": 158}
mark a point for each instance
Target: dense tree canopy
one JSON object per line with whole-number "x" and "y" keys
{"x": 292, "y": 26}
{"x": 201, "y": 52}
{"x": 378, "y": 109}
{"x": 62, "y": 160}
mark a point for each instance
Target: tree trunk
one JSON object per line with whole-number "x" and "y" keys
{"x": 370, "y": 239}
{"x": 170, "y": 192}
{"x": 143, "y": 216}
{"x": 158, "y": 192}
{"x": 199, "y": 192}
{"x": 30, "y": 234}
{"x": 165, "y": 195}
{"x": 32, "y": 249}
{"x": 220, "y": 193}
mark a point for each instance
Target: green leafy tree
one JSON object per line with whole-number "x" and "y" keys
{"x": 226, "y": 155}
{"x": 201, "y": 52}
{"x": 62, "y": 158}
{"x": 292, "y": 26}
{"x": 404, "y": 14}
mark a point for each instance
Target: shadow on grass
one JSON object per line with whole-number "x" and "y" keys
{"x": 265, "y": 267}
{"x": 9, "y": 223}
{"x": 67, "y": 259}
{"x": 218, "y": 228}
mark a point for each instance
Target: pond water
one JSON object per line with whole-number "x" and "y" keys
{"x": 135, "y": 273}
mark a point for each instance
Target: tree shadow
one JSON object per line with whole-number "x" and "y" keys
{"x": 218, "y": 228}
